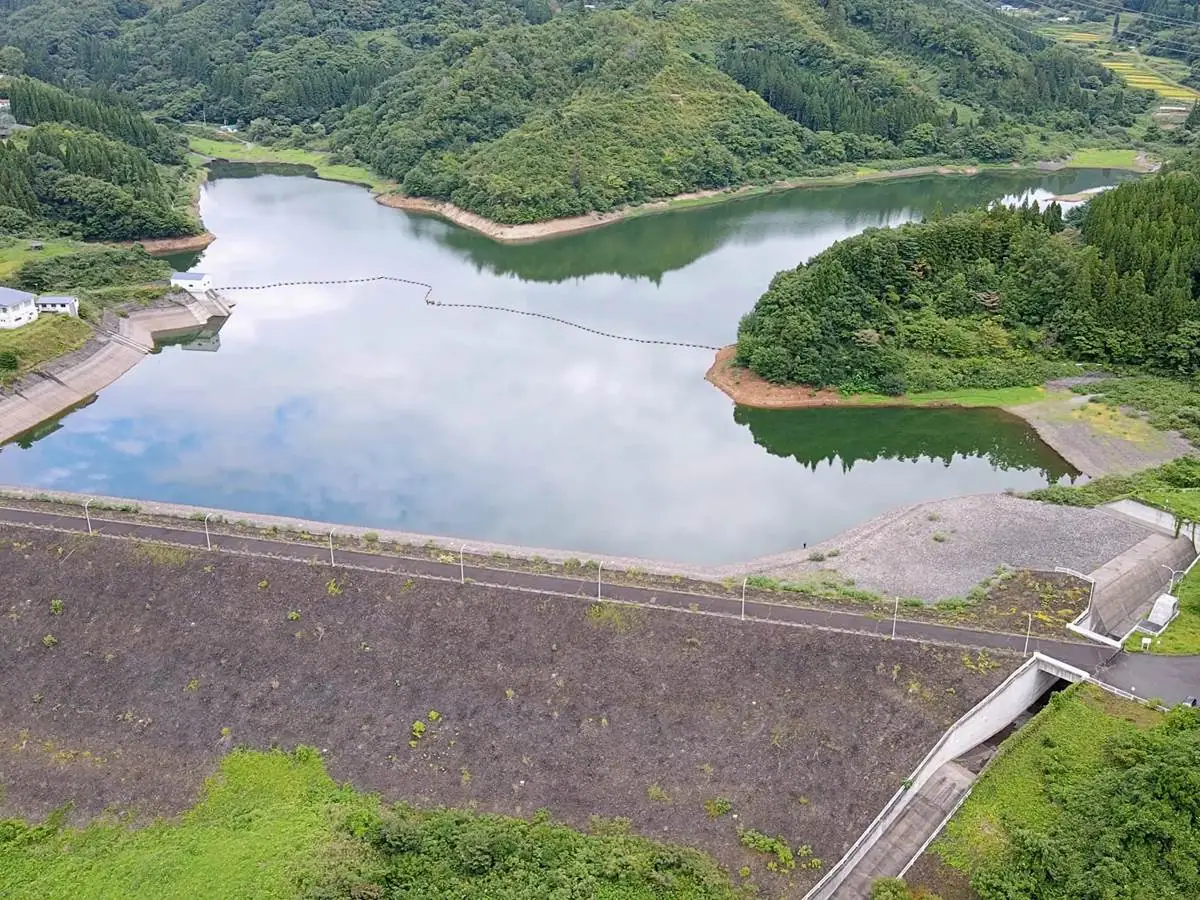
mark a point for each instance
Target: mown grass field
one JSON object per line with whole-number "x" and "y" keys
{"x": 239, "y": 151}
{"x": 19, "y": 252}
{"x": 42, "y": 340}
{"x": 1104, "y": 159}
{"x": 1066, "y": 737}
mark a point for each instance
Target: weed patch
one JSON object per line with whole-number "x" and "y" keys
{"x": 615, "y": 617}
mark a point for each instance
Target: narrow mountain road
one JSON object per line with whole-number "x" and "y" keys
{"x": 1083, "y": 655}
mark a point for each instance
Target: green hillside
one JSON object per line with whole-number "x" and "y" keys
{"x": 90, "y": 168}
{"x": 994, "y": 297}
{"x": 523, "y": 112}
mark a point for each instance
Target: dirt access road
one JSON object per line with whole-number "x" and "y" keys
{"x": 1083, "y": 655}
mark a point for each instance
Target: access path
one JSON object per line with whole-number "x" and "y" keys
{"x": 1083, "y": 655}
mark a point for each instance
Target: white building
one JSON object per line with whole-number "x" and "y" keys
{"x": 17, "y": 308}
{"x": 67, "y": 306}
{"x": 195, "y": 283}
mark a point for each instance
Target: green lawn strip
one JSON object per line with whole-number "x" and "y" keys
{"x": 42, "y": 340}
{"x": 1182, "y": 636}
{"x": 1066, "y": 738}
{"x": 1101, "y": 158}
{"x": 20, "y": 251}
{"x": 1014, "y": 396}
{"x": 267, "y": 824}
{"x": 237, "y": 151}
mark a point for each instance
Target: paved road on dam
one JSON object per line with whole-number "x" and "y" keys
{"x": 1083, "y": 655}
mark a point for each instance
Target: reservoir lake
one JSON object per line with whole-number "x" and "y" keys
{"x": 361, "y": 404}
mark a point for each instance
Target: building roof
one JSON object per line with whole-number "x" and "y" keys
{"x": 188, "y": 276}
{"x": 50, "y": 298}
{"x": 10, "y": 297}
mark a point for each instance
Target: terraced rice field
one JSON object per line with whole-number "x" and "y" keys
{"x": 1146, "y": 73}
{"x": 1137, "y": 72}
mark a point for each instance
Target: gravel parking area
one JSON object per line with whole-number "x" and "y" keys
{"x": 943, "y": 548}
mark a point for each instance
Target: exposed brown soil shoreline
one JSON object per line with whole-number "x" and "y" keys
{"x": 155, "y": 246}
{"x": 745, "y": 388}
{"x": 534, "y": 231}
{"x": 1096, "y": 440}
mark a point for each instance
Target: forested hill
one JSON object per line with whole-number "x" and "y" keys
{"x": 89, "y": 167}
{"x": 523, "y": 111}
{"x": 993, "y": 298}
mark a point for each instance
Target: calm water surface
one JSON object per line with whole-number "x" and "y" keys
{"x": 364, "y": 405}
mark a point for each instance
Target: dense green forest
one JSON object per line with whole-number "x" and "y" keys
{"x": 1085, "y": 804}
{"x": 994, "y": 297}
{"x": 523, "y": 112}
{"x": 88, "y": 168}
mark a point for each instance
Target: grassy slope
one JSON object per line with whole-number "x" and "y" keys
{"x": 1015, "y": 396}
{"x": 266, "y": 823}
{"x": 1067, "y": 735}
{"x": 19, "y": 253}
{"x": 1183, "y": 635}
{"x": 43, "y": 340}
{"x": 237, "y": 151}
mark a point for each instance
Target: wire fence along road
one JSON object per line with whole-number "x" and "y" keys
{"x": 1082, "y": 655}
{"x": 503, "y": 309}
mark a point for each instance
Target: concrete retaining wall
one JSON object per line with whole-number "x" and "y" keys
{"x": 996, "y": 711}
{"x": 34, "y": 401}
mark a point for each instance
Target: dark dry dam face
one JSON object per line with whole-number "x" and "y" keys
{"x": 161, "y": 659}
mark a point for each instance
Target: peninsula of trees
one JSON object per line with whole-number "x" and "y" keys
{"x": 522, "y": 112}
{"x": 994, "y": 297}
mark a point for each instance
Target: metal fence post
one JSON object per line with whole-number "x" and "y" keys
{"x": 87, "y": 515}
{"x": 331, "y": 563}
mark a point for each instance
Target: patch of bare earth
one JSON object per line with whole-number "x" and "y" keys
{"x": 748, "y": 389}
{"x": 127, "y": 670}
{"x": 1097, "y": 439}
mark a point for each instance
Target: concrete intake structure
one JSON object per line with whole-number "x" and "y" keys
{"x": 41, "y": 395}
